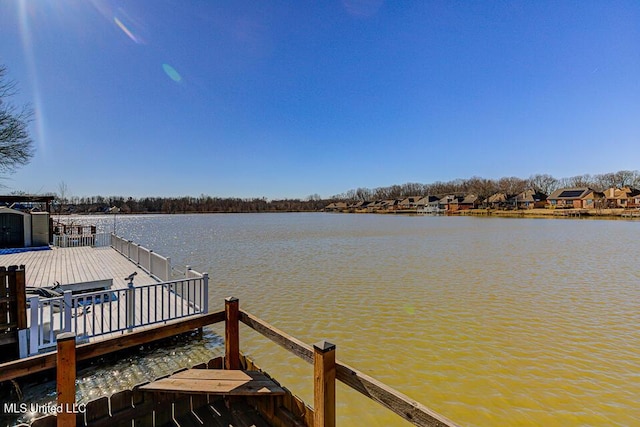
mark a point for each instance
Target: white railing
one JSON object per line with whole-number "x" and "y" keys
{"x": 108, "y": 311}
{"x": 78, "y": 240}
{"x": 156, "y": 265}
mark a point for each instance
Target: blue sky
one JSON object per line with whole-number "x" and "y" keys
{"x": 290, "y": 98}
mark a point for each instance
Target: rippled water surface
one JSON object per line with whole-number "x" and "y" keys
{"x": 487, "y": 321}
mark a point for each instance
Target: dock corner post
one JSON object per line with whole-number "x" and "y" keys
{"x": 167, "y": 269}
{"x": 66, "y": 379}
{"x": 67, "y": 311}
{"x": 231, "y": 333}
{"x": 205, "y": 293}
{"x": 324, "y": 384}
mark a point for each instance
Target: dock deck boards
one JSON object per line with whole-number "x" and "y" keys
{"x": 85, "y": 264}
{"x": 75, "y": 265}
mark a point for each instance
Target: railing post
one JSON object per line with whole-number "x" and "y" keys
{"x": 67, "y": 311}
{"x": 34, "y": 335}
{"x": 131, "y": 306}
{"x": 324, "y": 384}
{"x": 231, "y": 333}
{"x": 205, "y": 292}
{"x": 21, "y": 302}
{"x": 66, "y": 379}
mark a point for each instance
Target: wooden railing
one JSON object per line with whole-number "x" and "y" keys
{"x": 326, "y": 369}
{"x": 321, "y": 355}
{"x": 13, "y": 316}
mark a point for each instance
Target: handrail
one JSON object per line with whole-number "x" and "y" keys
{"x": 102, "y": 312}
{"x": 158, "y": 266}
{"x": 397, "y": 402}
{"x": 392, "y": 399}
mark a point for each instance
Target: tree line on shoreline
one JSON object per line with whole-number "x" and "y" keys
{"x": 481, "y": 187}
{"x": 484, "y": 188}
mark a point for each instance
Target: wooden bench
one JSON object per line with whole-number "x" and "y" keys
{"x": 216, "y": 382}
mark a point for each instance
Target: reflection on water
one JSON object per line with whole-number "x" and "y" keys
{"x": 489, "y": 321}
{"x": 125, "y": 369}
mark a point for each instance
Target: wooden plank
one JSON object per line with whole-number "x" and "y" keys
{"x": 39, "y": 363}
{"x": 215, "y": 387}
{"x": 294, "y": 345}
{"x": 219, "y": 374}
{"x": 397, "y": 402}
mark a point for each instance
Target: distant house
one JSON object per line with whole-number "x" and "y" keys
{"x": 497, "y": 201}
{"x": 391, "y": 204}
{"x": 625, "y": 197}
{"x": 427, "y": 201}
{"x": 375, "y": 206}
{"x": 409, "y": 203}
{"x": 336, "y": 207}
{"x": 360, "y": 206}
{"x": 578, "y": 198}
{"x": 449, "y": 203}
{"x": 470, "y": 201}
{"x": 530, "y": 199}
{"x": 429, "y": 205}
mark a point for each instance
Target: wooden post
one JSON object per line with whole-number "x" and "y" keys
{"x": 21, "y": 302}
{"x": 205, "y": 291}
{"x": 21, "y": 298}
{"x": 324, "y": 384}
{"x": 66, "y": 379}
{"x": 231, "y": 334}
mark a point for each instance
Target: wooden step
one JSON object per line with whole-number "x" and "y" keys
{"x": 216, "y": 382}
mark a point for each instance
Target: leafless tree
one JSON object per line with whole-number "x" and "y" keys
{"x": 16, "y": 146}
{"x": 544, "y": 183}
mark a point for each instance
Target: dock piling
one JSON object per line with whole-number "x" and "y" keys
{"x": 231, "y": 333}
{"x": 324, "y": 384}
{"x": 66, "y": 379}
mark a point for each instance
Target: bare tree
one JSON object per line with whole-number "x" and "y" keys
{"x": 544, "y": 183}
{"x": 16, "y": 146}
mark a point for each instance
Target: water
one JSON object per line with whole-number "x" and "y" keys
{"x": 488, "y": 321}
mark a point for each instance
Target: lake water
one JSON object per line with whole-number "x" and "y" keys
{"x": 488, "y": 321}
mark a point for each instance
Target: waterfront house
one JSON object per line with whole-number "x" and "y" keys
{"x": 428, "y": 201}
{"x": 409, "y": 203}
{"x": 390, "y": 204}
{"x": 470, "y": 201}
{"x": 530, "y": 199}
{"x": 336, "y": 207}
{"x": 374, "y": 206}
{"x": 497, "y": 201}
{"x": 625, "y": 197}
{"x": 449, "y": 203}
{"x": 577, "y": 198}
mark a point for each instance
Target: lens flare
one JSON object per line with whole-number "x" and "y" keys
{"x": 172, "y": 73}
{"x": 125, "y": 30}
